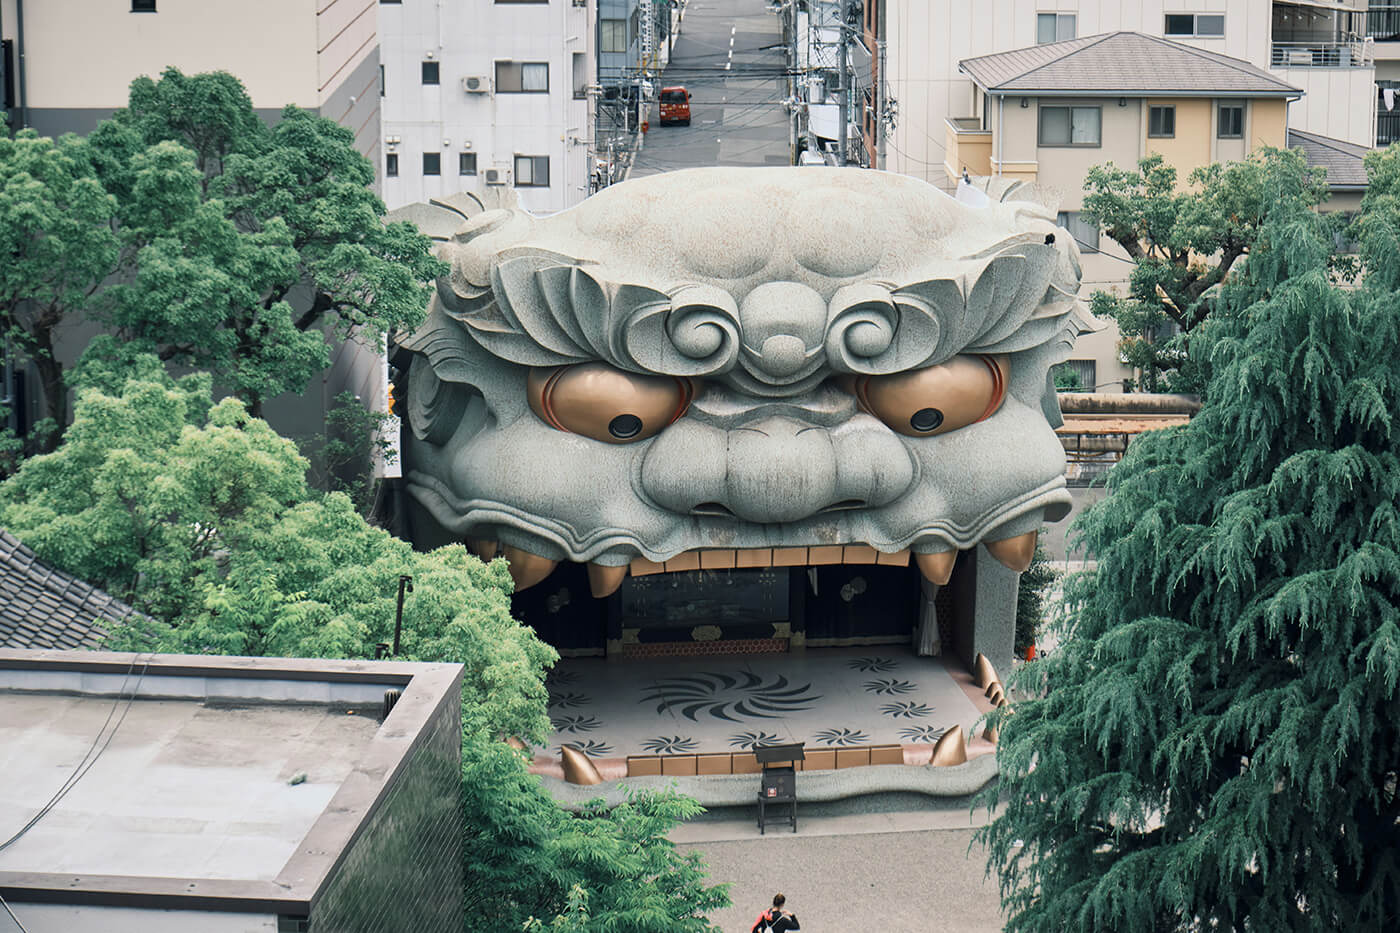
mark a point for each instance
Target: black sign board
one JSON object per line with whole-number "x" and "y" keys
{"x": 771, "y": 754}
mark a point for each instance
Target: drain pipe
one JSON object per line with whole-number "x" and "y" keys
{"x": 23, "y": 121}
{"x": 1001, "y": 128}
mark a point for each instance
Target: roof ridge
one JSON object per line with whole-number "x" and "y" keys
{"x": 1229, "y": 61}
{"x": 1098, "y": 39}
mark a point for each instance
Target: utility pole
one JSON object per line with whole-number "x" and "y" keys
{"x": 843, "y": 102}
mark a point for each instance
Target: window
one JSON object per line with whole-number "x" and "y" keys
{"x": 1070, "y": 126}
{"x": 430, "y": 73}
{"x": 1161, "y": 121}
{"x": 432, "y": 163}
{"x": 466, "y": 163}
{"x": 1075, "y": 375}
{"x": 1231, "y": 122}
{"x": 532, "y": 171}
{"x": 381, "y": 80}
{"x": 391, "y": 1}
{"x": 1201, "y": 25}
{"x": 1085, "y": 232}
{"x": 391, "y": 165}
{"x": 143, "y": 6}
{"x": 612, "y": 35}
{"x": 1053, "y": 27}
{"x": 522, "y": 77}
{"x": 580, "y": 74}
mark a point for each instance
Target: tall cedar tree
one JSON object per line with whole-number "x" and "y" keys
{"x": 1215, "y": 744}
{"x": 190, "y": 227}
{"x": 1183, "y": 242}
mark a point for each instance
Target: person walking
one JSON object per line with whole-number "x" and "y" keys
{"x": 775, "y": 919}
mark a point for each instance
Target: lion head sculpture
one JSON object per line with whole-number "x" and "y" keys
{"x": 752, "y": 363}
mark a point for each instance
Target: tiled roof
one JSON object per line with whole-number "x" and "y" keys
{"x": 41, "y": 607}
{"x": 1343, "y": 160}
{"x": 1122, "y": 63}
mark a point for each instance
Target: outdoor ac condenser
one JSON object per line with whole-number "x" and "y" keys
{"x": 476, "y": 84}
{"x": 495, "y": 176}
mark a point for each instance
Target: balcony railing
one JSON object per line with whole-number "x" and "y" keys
{"x": 1387, "y": 128}
{"x": 1329, "y": 54}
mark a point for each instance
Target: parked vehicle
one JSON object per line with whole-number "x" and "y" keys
{"x": 675, "y": 106}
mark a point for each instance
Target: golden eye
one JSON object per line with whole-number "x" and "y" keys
{"x": 935, "y": 400}
{"x": 607, "y": 404}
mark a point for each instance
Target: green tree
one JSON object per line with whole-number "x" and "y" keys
{"x": 200, "y": 516}
{"x": 1183, "y": 242}
{"x": 189, "y": 227}
{"x": 1218, "y": 739}
{"x": 57, "y": 237}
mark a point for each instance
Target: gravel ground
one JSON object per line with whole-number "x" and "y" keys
{"x": 906, "y": 882}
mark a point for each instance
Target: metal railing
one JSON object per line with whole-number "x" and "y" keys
{"x": 1387, "y": 128}
{"x": 1383, "y": 22}
{"x": 1328, "y": 54}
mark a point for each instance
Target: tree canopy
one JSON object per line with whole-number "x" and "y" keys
{"x": 1215, "y": 744}
{"x": 199, "y": 515}
{"x": 190, "y": 227}
{"x": 1183, "y": 242}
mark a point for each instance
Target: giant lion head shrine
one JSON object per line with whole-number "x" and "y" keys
{"x": 753, "y": 407}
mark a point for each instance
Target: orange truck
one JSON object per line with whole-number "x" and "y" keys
{"x": 675, "y": 106}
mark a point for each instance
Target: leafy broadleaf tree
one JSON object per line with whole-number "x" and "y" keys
{"x": 1183, "y": 242}
{"x": 189, "y": 227}
{"x": 199, "y": 515}
{"x": 242, "y": 240}
{"x": 58, "y": 244}
{"x": 1216, "y": 741}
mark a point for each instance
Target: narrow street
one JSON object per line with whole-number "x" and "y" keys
{"x": 729, "y": 55}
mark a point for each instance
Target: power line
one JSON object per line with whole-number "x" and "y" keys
{"x": 89, "y": 759}
{"x": 22, "y": 927}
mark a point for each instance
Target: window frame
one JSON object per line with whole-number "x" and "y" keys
{"x": 462, "y": 158}
{"x": 519, "y": 68}
{"x": 436, "y": 73}
{"x": 1070, "y": 220}
{"x": 147, "y": 6}
{"x": 391, "y": 165}
{"x": 1220, "y": 107}
{"x": 535, "y": 161}
{"x": 619, "y": 29}
{"x": 1195, "y": 32}
{"x": 1072, "y": 18}
{"x": 1168, "y": 112}
{"x": 437, "y": 169}
{"x": 1070, "y": 144}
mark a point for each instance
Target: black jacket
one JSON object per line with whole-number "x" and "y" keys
{"x": 778, "y": 921}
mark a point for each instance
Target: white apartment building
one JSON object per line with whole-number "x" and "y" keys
{"x": 479, "y": 93}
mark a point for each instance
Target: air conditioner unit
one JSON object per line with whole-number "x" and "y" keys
{"x": 580, "y": 2}
{"x": 495, "y": 176}
{"x": 476, "y": 84}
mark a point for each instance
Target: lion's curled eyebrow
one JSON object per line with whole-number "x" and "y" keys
{"x": 543, "y": 308}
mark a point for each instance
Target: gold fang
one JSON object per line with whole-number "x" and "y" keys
{"x": 937, "y": 568}
{"x": 604, "y": 580}
{"x": 483, "y": 548}
{"x": 950, "y": 750}
{"x": 515, "y": 743}
{"x": 995, "y": 694}
{"x": 527, "y": 569}
{"x": 1015, "y": 553}
{"x": 983, "y": 673}
{"x": 991, "y": 733}
{"x": 578, "y": 767}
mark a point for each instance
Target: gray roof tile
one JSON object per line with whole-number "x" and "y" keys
{"x": 1343, "y": 160}
{"x": 41, "y": 607}
{"x": 1122, "y": 63}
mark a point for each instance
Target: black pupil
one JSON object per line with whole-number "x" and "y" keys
{"x": 625, "y": 426}
{"x": 926, "y": 419}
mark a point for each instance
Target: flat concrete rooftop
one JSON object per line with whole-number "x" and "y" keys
{"x": 185, "y": 789}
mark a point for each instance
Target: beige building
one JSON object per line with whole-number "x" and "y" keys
{"x": 1048, "y": 113}
{"x": 73, "y": 60}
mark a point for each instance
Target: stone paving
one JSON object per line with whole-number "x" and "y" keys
{"x": 835, "y": 697}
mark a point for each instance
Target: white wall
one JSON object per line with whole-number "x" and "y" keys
{"x": 467, "y": 37}
{"x": 62, "y": 918}
{"x": 1338, "y": 102}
